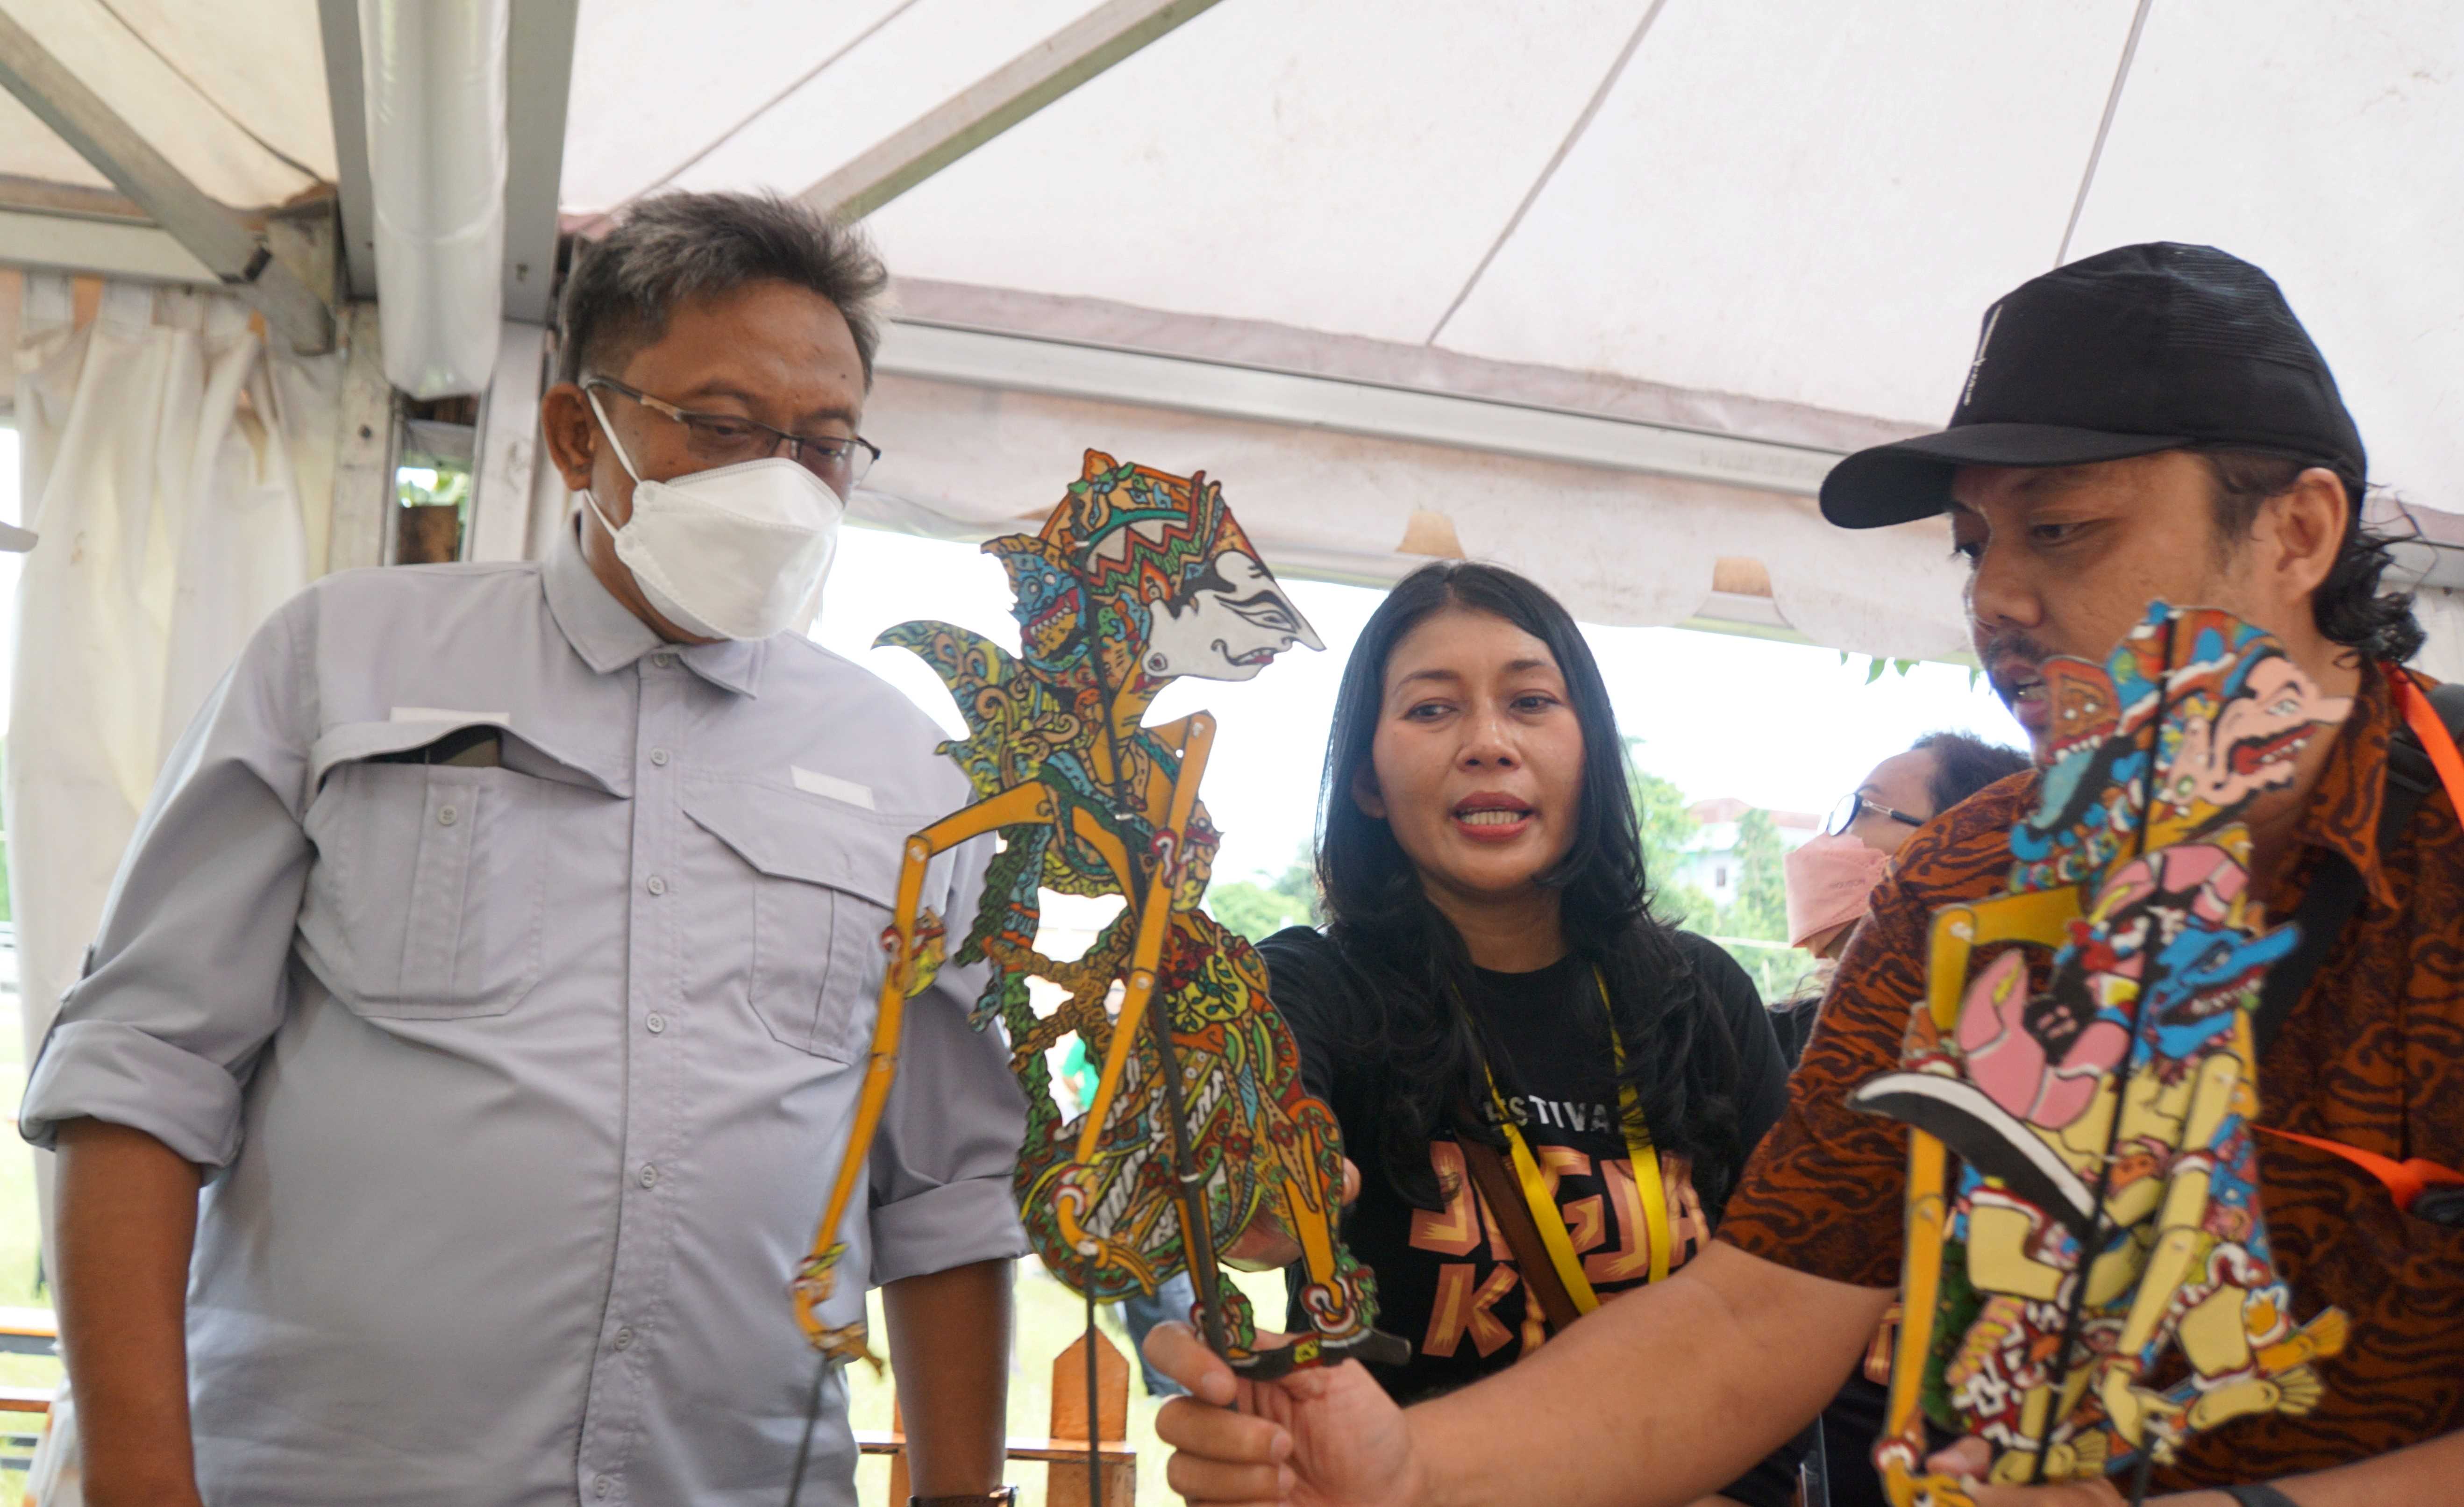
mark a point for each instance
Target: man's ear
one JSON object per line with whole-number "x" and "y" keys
{"x": 572, "y": 436}
{"x": 2310, "y": 521}
{"x": 1366, "y": 795}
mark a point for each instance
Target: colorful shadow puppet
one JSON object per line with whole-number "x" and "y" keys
{"x": 2100, "y": 1225}
{"x": 1198, "y": 1123}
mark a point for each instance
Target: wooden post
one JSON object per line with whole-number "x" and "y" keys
{"x": 1065, "y": 1478}
{"x": 363, "y": 488}
{"x": 1063, "y": 1453}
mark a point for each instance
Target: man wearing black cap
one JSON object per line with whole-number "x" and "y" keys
{"x": 2152, "y": 423}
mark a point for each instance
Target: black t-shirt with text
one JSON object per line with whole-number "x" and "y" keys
{"x": 1446, "y": 1280}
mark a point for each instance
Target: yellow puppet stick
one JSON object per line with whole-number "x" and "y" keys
{"x": 1146, "y": 956}
{"x": 814, "y": 1278}
{"x": 1155, "y": 918}
{"x": 2037, "y": 917}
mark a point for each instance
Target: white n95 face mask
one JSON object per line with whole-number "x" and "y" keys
{"x": 736, "y": 552}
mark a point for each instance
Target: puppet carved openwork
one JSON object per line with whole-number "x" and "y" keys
{"x": 1198, "y": 1123}
{"x": 2087, "y": 1280}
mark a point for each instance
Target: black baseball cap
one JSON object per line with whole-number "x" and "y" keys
{"x": 2138, "y": 349}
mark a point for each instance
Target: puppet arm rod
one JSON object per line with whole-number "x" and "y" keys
{"x": 1952, "y": 938}
{"x": 1026, "y": 804}
{"x": 1197, "y": 735}
{"x": 1155, "y": 920}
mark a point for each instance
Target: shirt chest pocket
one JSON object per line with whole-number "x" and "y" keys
{"x": 822, "y": 878}
{"x": 426, "y": 898}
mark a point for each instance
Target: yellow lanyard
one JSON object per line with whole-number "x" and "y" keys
{"x": 1545, "y": 1212}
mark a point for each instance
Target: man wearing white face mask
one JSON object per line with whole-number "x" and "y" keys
{"x": 499, "y": 953}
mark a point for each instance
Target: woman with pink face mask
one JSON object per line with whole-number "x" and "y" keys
{"x": 1830, "y": 879}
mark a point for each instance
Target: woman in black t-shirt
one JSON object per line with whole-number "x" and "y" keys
{"x": 1491, "y": 977}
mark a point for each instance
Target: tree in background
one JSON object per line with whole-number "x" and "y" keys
{"x": 1759, "y": 914}
{"x": 1753, "y": 927}
{"x": 1668, "y": 833}
{"x": 1760, "y": 910}
{"x": 1261, "y": 905}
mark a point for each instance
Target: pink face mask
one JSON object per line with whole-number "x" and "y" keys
{"x": 1829, "y": 880}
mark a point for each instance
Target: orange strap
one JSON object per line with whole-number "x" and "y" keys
{"x": 2405, "y": 1180}
{"x": 2422, "y": 718}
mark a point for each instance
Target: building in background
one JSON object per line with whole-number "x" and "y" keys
{"x": 1716, "y": 860}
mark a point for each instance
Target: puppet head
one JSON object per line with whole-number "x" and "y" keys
{"x": 2215, "y": 705}
{"x": 1158, "y": 568}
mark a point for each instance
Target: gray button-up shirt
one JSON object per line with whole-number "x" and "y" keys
{"x": 525, "y": 1080}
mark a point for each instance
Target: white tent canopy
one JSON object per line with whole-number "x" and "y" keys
{"x": 1596, "y": 287}
{"x": 217, "y": 89}
{"x": 1779, "y": 221}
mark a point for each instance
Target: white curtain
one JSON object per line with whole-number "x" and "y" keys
{"x": 161, "y": 455}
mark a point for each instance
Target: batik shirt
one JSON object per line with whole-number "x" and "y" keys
{"x": 2373, "y": 1057}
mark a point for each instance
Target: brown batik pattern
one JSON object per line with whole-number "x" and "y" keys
{"x": 2373, "y": 1056}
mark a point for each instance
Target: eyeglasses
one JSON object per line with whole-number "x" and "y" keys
{"x": 725, "y": 439}
{"x": 1854, "y": 804}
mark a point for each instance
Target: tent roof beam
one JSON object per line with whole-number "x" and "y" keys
{"x": 1025, "y": 364}
{"x": 539, "y": 69}
{"x": 1104, "y": 35}
{"x": 209, "y": 231}
{"x": 111, "y": 246}
{"x": 339, "y": 25}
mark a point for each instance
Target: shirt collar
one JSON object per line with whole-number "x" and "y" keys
{"x": 2342, "y": 813}
{"x": 607, "y": 636}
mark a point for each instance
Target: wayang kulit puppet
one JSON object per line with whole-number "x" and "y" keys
{"x": 2088, "y": 1283}
{"x": 1199, "y": 1123}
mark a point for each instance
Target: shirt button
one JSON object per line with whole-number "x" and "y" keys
{"x": 602, "y": 1487}
{"x": 650, "y": 1174}
{"x": 656, "y": 1024}
{"x": 656, "y": 885}
{"x": 624, "y": 1338}
{"x": 446, "y": 816}
{"x": 664, "y": 662}
{"x": 659, "y": 757}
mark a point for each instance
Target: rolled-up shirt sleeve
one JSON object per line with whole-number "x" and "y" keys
{"x": 950, "y": 1133}
{"x": 185, "y": 981}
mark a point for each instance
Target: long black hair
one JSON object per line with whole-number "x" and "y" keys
{"x": 1409, "y": 963}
